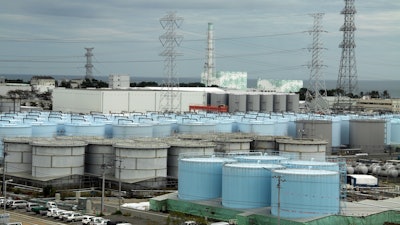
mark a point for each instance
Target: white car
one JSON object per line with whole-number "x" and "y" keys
{"x": 50, "y": 212}
{"x": 86, "y": 219}
{"x": 96, "y": 220}
{"x": 72, "y": 217}
{"x": 64, "y": 214}
{"x": 57, "y": 213}
{"x": 102, "y": 222}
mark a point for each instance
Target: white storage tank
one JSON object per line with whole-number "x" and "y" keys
{"x": 51, "y": 158}
{"x": 305, "y": 193}
{"x": 13, "y": 130}
{"x": 247, "y": 185}
{"x": 302, "y": 149}
{"x": 200, "y": 178}
{"x": 141, "y": 160}
{"x": 185, "y": 147}
{"x": 19, "y": 155}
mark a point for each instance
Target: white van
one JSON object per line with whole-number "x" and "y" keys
{"x": 18, "y": 204}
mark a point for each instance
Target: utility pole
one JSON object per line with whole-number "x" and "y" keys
{"x": 119, "y": 185}
{"x": 104, "y": 166}
{"x": 280, "y": 181}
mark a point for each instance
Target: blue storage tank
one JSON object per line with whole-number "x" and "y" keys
{"x": 40, "y": 129}
{"x": 85, "y": 129}
{"x": 194, "y": 127}
{"x": 200, "y": 178}
{"x": 281, "y": 126}
{"x": 161, "y": 129}
{"x": 314, "y": 165}
{"x": 264, "y": 127}
{"x": 224, "y": 125}
{"x": 305, "y": 193}
{"x": 247, "y": 185}
{"x": 336, "y": 131}
{"x": 344, "y": 129}
{"x": 132, "y": 130}
{"x": 265, "y": 159}
{"x": 395, "y": 131}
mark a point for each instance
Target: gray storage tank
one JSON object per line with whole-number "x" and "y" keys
{"x": 180, "y": 147}
{"x": 237, "y": 102}
{"x": 253, "y": 102}
{"x": 267, "y": 103}
{"x": 292, "y": 103}
{"x": 99, "y": 152}
{"x": 368, "y": 134}
{"x": 51, "y": 158}
{"x": 279, "y": 103}
{"x": 219, "y": 99}
{"x": 19, "y": 155}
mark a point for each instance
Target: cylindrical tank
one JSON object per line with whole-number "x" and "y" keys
{"x": 19, "y": 155}
{"x": 279, "y": 102}
{"x": 395, "y": 131}
{"x": 140, "y": 160}
{"x": 368, "y": 134}
{"x": 13, "y": 130}
{"x": 100, "y": 152}
{"x": 281, "y": 127}
{"x": 130, "y": 130}
{"x": 259, "y": 127}
{"x": 200, "y": 178}
{"x": 253, "y": 103}
{"x": 162, "y": 129}
{"x": 40, "y": 129}
{"x": 59, "y": 158}
{"x": 179, "y": 147}
{"x": 292, "y": 102}
{"x": 314, "y": 165}
{"x": 85, "y": 129}
{"x": 267, "y": 103}
{"x": 263, "y": 159}
{"x": 237, "y": 102}
{"x": 247, "y": 185}
{"x": 361, "y": 169}
{"x": 219, "y": 99}
{"x": 194, "y": 127}
{"x": 315, "y": 128}
{"x": 302, "y": 149}
{"x": 265, "y": 143}
{"x": 228, "y": 145}
{"x": 224, "y": 125}
{"x": 304, "y": 193}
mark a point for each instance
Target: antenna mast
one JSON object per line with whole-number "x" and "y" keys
{"x": 169, "y": 99}
{"x": 89, "y": 65}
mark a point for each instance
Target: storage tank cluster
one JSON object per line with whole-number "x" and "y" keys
{"x": 306, "y": 188}
{"x": 387, "y": 169}
{"x": 256, "y": 101}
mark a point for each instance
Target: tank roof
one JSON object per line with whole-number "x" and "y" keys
{"x": 310, "y": 163}
{"x": 254, "y": 165}
{"x": 190, "y": 143}
{"x": 140, "y": 145}
{"x": 209, "y": 159}
{"x": 302, "y": 141}
{"x": 58, "y": 143}
{"x": 306, "y": 172}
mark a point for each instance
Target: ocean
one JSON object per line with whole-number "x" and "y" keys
{"x": 391, "y": 86}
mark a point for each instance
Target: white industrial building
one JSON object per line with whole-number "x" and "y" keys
{"x": 129, "y": 100}
{"x": 116, "y": 81}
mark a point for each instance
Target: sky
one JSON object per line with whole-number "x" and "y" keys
{"x": 268, "y": 39}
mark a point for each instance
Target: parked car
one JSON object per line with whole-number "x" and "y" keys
{"x": 30, "y": 205}
{"x": 18, "y": 204}
{"x": 74, "y": 216}
{"x": 51, "y": 211}
{"x": 63, "y": 213}
{"x": 95, "y": 220}
{"x": 57, "y": 213}
{"x": 86, "y": 219}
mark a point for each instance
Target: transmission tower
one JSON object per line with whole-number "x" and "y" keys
{"x": 315, "y": 101}
{"x": 209, "y": 66}
{"x": 347, "y": 83}
{"x": 89, "y": 65}
{"x": 169, "y": 98}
